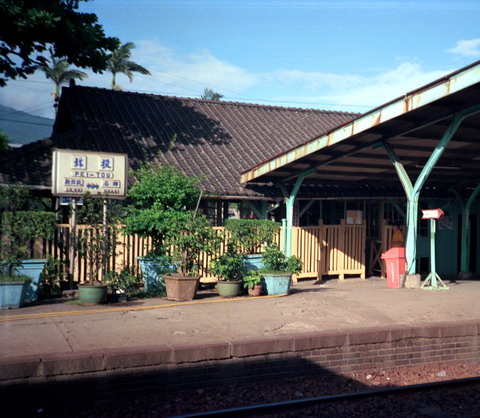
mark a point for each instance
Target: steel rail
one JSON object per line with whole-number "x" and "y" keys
{"x": 310, "y": 402}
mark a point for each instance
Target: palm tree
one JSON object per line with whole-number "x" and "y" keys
{"x": 209, "y": 94}
{"x": 59, "y": 73}
{"x": 119, "y": 63}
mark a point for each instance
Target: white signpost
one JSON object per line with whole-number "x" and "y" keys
{"x": 76, "y": 173}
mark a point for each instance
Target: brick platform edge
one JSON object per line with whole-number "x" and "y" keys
{"x": 187, "y": 367}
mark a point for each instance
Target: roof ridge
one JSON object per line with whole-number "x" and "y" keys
{"x": 216, "y": 102}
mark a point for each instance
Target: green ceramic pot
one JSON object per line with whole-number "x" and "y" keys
{"x": 92, "y": 294}
{"x": 229, "y": 289}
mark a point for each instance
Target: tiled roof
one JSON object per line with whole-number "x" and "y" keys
{"x": 215, "y": 139}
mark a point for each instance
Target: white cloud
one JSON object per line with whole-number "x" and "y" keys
{"x": 355, "y": 93}
{"x": 468, "y": 48}
{"x": 187, "y": 75}
{"x": 316, "y": 80}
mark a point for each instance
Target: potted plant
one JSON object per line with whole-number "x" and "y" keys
{"x": 278, "y": 270}
{"x": 23, "y": 220}
{"x": 121, "y": 285}
{"x": 96, "y": 244}
{"x": 157, "y": 194}
{"x": 253, "y": 282}
{"x": 249, "y": 235}
{"x": 187, "y": 236}
{"x": 229, "y": 268}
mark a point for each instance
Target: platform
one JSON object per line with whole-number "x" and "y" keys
{"x": 55, "y": 331}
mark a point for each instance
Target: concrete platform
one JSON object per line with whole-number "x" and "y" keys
{"x": 67, "y": 338}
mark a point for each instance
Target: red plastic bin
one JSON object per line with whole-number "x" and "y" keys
{"x": 395, "y": 261}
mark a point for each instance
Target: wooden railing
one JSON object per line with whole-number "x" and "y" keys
{"x": 324, "y": 250}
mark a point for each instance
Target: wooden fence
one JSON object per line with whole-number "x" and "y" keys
{"x": 325, "y": 250}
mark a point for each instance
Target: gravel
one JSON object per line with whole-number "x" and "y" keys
{"x": 437, "y": 403}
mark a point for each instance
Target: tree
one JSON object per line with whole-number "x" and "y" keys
{"x": 59, "y": 72}
{"x": 3, "y": 141}
{"x": 209, "y": 94}
{"x": 119, "y": 62}
{"x": 29, "y": 27}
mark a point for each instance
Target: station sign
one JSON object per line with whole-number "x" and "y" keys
{"x": 76, "y": 172}
{"x": 432, "y": 213}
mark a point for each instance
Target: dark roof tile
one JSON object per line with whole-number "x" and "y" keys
{"x": 215, "y": 139}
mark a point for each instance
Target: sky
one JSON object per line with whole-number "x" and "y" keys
{"x": 334, "y": 54}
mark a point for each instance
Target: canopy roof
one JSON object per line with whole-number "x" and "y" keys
{"x": 352, "y": 153}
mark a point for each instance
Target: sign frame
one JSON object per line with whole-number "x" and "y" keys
{"x": 101, "y": 174}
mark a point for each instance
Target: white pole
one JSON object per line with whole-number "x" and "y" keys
{"x": 73, "y": 241}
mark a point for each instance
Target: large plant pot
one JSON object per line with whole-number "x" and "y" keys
{"x": 152, "y": 272}
{"x": 12, "y": 294}
{"x": 253, "y": 262}
{"x": 181, "y": 288}
{"x": 32, "y": 269}
{"x": 229, "y": 289}
{"x": 277, "y": 283}
{"x": 92, "y": 294}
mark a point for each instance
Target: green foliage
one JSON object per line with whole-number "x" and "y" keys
{"x": 119, "y": 62}
{"x": 209, "y": 94}
{"x": 249, "y": 234}
{"x": 22, "y": 222}
{"x": 229, "y": 266}
{"x": 3, "y": 142}
{"x": 155, "y": 199}
{"x": 190, "y": 235}
{"x": 163, "y": 188}
{"x": 97, "y": 245}
{"x": 252, "y": 278}
{"x": 275, "y": 261}
{"x": 28, "y": 27}
{"x": 59, "y": 72}
{"x": 52, "y": 276}
{"x": 126, "y": 280}
{"x": 13, "y": 278}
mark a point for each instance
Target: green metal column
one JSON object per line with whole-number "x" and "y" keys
{"x": 290, "y": 204}
{"x": 413, "y": 192}
{"x": 465, "y": 239}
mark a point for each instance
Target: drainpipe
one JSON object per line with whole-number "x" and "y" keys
{"x": 413, "y": 191}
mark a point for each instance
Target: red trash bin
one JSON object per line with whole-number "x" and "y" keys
{"x": 395, "y": 261}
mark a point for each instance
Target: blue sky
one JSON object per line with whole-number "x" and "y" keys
{"x": 333, "y": 55}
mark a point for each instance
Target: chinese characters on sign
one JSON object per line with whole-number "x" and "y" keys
{"x": 75, "y": 173}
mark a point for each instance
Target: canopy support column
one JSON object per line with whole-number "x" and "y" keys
{"x": 290, "y": 201}
{"x": 413, "y": 191}
{"x": 465, "y": 239}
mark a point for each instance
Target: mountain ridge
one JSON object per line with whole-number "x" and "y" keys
{"x": 22, "y": 127}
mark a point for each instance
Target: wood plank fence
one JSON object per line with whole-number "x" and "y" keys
{"x": 325, "y": 250}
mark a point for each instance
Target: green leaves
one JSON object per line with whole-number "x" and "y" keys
{"x": 275, "y": 261}
{"x": 229, "y": 266}
{"x": 249, "y": 234}
{"x": 163, "y": 188}
{"x": 28, "y": 27}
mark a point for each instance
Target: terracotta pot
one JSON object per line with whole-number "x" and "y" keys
{"x": 181, "y": 288}
{"x": 256, "y": 291}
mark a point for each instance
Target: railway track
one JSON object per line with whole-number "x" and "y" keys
{"x": 368, "y": 403}
{"x": 137, "y": 396}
